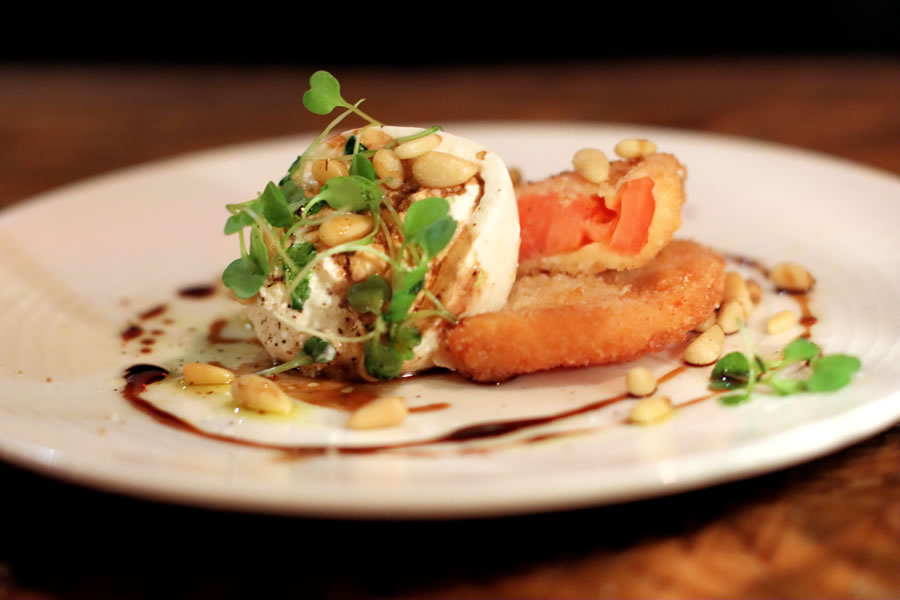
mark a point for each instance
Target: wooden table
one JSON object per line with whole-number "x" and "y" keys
{"x": 829, "y": 528}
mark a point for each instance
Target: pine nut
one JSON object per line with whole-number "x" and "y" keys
{"x": 591, "y": 164}
{"x": 374, "y": 138}
{"x": 639, "y": 381}
{"x": 389, "y": 168}
{"x": 344, "y": 228}
{"x": 260, "y": 394}
{"x": 755, "y": 291}
{"x": 324, "y": 169}
{"x": 791, "y": 277}
{"x": 781, "y": 321}
{"x": 634, "y": 148}
{"x": 731, "y": 315}
{"x": 736, "y": 289}
{"x": 709, "y": 322}
{"x": 650, "y": 410}
{"x": 363, "y": 264}
{"x": 418, "y": 146}
{"x": 381, "y": 412}
{"x": 440, "y": 170}
{"x": 705, "y": 350}
{"x": 204, "y": 374}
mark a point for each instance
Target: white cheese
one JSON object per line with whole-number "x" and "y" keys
{"x": 484, "y": 267}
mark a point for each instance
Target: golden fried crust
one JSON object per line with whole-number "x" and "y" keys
{"x": 668, "y": 191}
{"x": 564, "y": 321}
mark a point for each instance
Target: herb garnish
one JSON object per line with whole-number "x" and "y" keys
{"x": 825, "y": 373}
{"x": 283, "y": 209}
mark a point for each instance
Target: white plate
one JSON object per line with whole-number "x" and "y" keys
{"x": 72, "y": 256}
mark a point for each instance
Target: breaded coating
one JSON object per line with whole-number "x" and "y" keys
{"x": 574, "y": 321}
{"x": 595, "y": 229}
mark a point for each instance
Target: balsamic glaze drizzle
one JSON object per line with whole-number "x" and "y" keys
{"x": 139, "y": 376}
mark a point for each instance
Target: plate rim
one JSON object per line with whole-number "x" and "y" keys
{"x": 23, "y": 456}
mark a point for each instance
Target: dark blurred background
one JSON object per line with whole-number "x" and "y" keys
{"x": 84, "y": 91}
{"x": 425, "y": 34}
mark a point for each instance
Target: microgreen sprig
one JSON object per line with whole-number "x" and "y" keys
{"x": 427, "y": 229}
{"x": 282, "y": 210}
{"x": 826, "y": 373}
{"x": 315, "y": 350}
{"x": 324, "y": 95}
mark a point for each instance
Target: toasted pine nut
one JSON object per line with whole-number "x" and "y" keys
{"x": 261, "y": 394}
{"x": 591, "y": 164}
{"x": 781, "y": 321}
{"x": 418, "y": 146}
{"x": 639, "y": 381}
{"x": 650, "y": 410}
{"x": 324, "y": 169}
{"x": 389, "y": 168}
{"x": 363, "y": 264}
{"x": 791, "y": 277}
{"x": 706, "y": 349}
{"x": 439, "y": 170}
{"x": 374, "y": 138}
{"x": 709, "y": 322}
{"x": 730, "y": 316}
{"x": 381, "y": 412}
{"x": 755, "y": 291}
{"x": 515, "y": 175}
{"x": 204, "y": 374}
{"x": 345, "y": 228}
{"x": 736, "y": 290}
{"x": 633, "y": 148}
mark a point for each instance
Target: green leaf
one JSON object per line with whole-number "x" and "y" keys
{"x": 799, "y": 350}
{"x": 370, "y": 295}
{"x": 292, "y": 192}
{"x": 259, "y": 253}
{"x": 405, "y": 338}
{"x": 351, "y": 193}
{"x": 319, "y": 350}
{"x": 300, "y": 253}
{"x": 785, "y": 386}
{"x": 423, "y": 213}
{"x": 314, "y": 350}
{"x": 381, "y": 361}
{"x": 324, "y": 93}
{"x": 832, "y": 372}
{"x": 300, "y": 294}
{"x": 350, "y": 146}
{"x": 732, "y": 371}
{"x": 274, "y": 207}
{"x": 734, "y": 399}
{"x": 436, "y": 236}
{"x": 362, "y": 166}
{"x": 243, "y": 277}
{"x": 237, "y": 221}
{"x": 411, "y": 283}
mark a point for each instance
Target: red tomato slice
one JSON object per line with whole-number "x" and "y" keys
{"x": 549, "y": 227}
{"x": 636, "y": 207}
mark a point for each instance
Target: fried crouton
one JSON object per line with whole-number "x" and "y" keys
{"x": 560, "y": 320}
